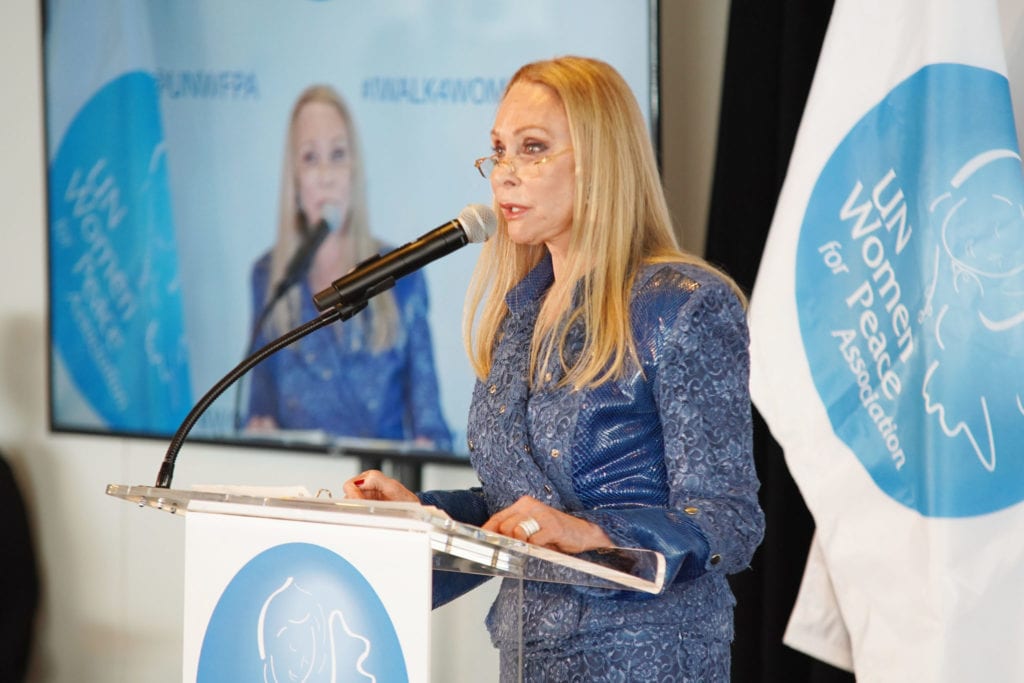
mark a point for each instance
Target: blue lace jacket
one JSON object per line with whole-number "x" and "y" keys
{"x": 331, "y": 380}
{"x": 660, "y": 459}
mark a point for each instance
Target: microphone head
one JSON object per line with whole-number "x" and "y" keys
{"x": 332, "y": 216}
{"x": 478, "y": 222}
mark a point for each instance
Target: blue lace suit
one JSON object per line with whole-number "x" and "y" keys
{"x": 332, "y": 381}
{"x": 660, "y": 459}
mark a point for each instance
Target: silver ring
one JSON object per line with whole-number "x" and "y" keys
{"x": 529, "y": 526}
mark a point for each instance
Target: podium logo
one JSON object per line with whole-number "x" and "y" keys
{"x": 910, "y": 292}
{"x": 299, "y": 612}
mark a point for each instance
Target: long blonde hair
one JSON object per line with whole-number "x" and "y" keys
{"x": 384, "y": 323}
{"x": 620, "y": 221}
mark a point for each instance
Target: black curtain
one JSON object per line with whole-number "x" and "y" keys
{"x": 19, "y": 580}
{"x": 771, "y": 54}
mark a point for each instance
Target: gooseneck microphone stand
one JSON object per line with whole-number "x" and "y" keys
{"x": 340, "y": 312}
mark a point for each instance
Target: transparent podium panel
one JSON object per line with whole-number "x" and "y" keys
{"x": 456, "y": 546}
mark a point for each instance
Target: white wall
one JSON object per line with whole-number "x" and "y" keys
{"x": 693, "y": 36}
{"x": 112, "y": 573}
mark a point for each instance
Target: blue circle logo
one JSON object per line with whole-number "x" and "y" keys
{"x": 299, "y": 612}
{"x": 910, "y": 292}
{"x": 116, "y": 305}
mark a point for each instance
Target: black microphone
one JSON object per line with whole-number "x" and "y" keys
{"x": 302, "y": 257}
{"x": 378, "y": 273}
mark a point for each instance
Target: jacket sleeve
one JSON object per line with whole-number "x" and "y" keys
{"x": 713, "y": 522}
{"x": 423, "y": 395}
{"x": 468, "y": 507}
{"x": 262, "y": 383}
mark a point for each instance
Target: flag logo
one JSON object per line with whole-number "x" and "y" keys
{"x": 910, "y": 292}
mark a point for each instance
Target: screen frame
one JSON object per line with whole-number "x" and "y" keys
{"x": 366, "y": 451}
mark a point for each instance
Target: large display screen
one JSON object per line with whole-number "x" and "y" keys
{"x": 176, "y": 179}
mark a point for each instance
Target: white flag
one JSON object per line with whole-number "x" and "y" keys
{"x": 887, "y": 341}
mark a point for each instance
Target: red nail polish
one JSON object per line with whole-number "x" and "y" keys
{"x": 359, "y": 482}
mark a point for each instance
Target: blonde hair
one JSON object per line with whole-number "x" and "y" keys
{"x": 620, "y": 221}
{"x": 384, "y": 320}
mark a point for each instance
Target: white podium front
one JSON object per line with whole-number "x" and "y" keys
{"x": 313, "y": 589}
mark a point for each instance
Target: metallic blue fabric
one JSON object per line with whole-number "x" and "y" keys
{"x": 660, "y": 459}
{"x": 332, "y": 381}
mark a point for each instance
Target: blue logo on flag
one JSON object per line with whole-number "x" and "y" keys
{"x": 910, "y": 292}
{"x": 299, "y": 612}
{"x": 115, "y": 296}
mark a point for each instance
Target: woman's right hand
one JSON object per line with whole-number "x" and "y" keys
{"x": 261, "y": 424}
{"x": 375, "y": 485}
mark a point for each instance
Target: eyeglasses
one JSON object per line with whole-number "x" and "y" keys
{"x": 520, "y": 165}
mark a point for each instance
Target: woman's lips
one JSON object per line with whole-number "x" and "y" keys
{"x": 512, "y": 211}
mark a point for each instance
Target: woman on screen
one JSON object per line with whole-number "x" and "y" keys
{"x": 605, "y": 414}
{"x": 371, "y": 376}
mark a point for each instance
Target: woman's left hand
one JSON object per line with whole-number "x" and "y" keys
{"x": 374, "y": 485}
{"x": 528, "y": 519}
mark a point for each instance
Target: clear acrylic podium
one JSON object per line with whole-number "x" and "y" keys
{"x": 239, "y": 538}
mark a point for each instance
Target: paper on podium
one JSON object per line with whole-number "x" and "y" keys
{"x": 297, "y": 491}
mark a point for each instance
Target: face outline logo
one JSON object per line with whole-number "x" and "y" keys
{"x": 299, "y": 612}
{"x": 298, "y": 639}
{"x": 910, "y": 292}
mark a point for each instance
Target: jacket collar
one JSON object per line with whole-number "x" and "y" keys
{"x": 530, "y": 290}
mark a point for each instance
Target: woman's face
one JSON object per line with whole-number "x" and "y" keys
{"x": 323, "y": 171}
{"x": 536, "y": 199}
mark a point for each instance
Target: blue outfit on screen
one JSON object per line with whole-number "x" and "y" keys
{"x": 661, "y": 459}
{"x": 332, "y": 380}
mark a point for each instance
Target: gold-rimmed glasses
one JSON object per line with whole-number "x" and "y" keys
{"x": 518, "y": 164}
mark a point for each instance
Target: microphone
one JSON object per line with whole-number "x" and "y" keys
{"x": 476, "y": 223}
{"x": 302, "y": 257}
